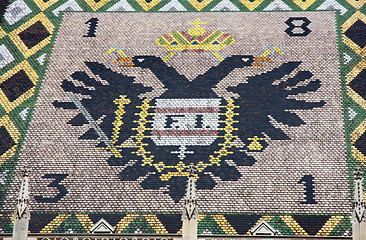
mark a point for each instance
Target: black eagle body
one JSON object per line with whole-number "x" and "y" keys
{"x": 259, "y": 99}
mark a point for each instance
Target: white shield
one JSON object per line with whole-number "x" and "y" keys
{"x": 186, "y": 122}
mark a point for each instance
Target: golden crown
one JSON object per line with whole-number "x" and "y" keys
{"x": 195, "y": 39}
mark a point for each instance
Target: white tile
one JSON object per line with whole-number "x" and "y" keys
{"x": 173, "y": 6}
{"x": 5, "y": 56}
{"x": 67, "y": 6}
{"x": 16, "y": 11}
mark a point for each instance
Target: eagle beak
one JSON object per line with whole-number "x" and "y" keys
{"x": 126, "y": 61}
{"x": 259, "y": 60}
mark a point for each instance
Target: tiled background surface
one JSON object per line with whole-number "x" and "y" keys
{"x": 25, "y": 35}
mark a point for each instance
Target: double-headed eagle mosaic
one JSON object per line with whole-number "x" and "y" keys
{"x": 157, "y": 139}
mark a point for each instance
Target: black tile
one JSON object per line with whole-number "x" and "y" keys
{"x": 359, "y": 83}
{"x": 111, "y": 218}
{"x": 171, "y": 222}
{"x": 311, "y": 224}
{"x": 39, "y": 220}
{"x": 242, "y": 223}
{"x": 3, "y": 5}
{"x": 6, "y": 141}
{"x": 361, "y": 143}
{"x": 357, "y": 33}
{"x": 34, "y": 34}
{"x": 16, "y": 85}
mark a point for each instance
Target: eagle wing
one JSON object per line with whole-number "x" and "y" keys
{"x": 260, "y": 98}
{"x": 100, "y": 102}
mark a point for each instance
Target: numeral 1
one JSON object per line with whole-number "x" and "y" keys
{"x": 93, "y": 22}
{"x": 308, "y": 182}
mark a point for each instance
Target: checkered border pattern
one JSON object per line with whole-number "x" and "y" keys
{"x": 32, "y": 60}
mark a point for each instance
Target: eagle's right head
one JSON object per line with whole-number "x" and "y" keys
{"x": 239, "y": 61}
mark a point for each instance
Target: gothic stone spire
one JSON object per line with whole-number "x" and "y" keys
{"x": 359, "y": 212}
{"x": 190, "y": 200}
{"x": 22, "y": 207}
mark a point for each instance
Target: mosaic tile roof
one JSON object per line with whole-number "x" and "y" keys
{"x": 293, "y": 169}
